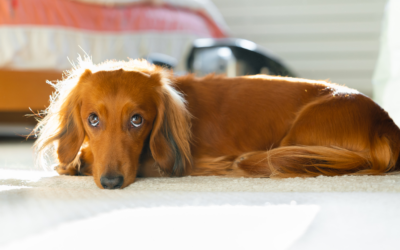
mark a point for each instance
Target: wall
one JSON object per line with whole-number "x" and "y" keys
{"x": 318, "y": 39}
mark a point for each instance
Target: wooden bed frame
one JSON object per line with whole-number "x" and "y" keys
{"x": 21, "y": 90}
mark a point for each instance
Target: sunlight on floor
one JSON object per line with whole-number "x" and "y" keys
{"x": 26, "y": 175}
{"x": 8, "y": 187}
{"x": 219, "y": 227}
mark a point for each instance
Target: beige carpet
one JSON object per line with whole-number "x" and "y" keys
{"x": 10, "y": 179}
{"x": 16, "y": 169}
{"x": 41, "y": 210}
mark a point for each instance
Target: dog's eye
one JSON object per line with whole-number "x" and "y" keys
{"x": 93, "y": 120}
{"x": 136, "y": 120}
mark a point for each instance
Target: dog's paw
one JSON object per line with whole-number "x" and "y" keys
{"x": 84, "y": 169}
{"x": 238, "y": 161}
{"x": 65, "y": 170}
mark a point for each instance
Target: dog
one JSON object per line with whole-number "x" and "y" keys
{"x": 120, "y": 120}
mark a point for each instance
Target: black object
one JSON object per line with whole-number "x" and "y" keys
{"x": 162, "y": 60}
{"x": 233, "y": 57}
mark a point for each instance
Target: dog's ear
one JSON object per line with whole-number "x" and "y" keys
{"x": 71, "y": 134}
{"x": 63, "y": 126}
{"x": 71, "y": 131}
{"x": 170, "y": 137}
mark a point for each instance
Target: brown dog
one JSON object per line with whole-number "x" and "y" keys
{"x": 120, "y": 120}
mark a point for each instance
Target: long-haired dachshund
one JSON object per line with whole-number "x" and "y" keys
{"x": 120, "y": 120}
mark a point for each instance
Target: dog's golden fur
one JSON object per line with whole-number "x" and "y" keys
{"x": 253, "y": 126}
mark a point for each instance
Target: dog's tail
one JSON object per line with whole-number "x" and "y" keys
{"x": 303, "y": 161}
{"x": 320, "y": 160}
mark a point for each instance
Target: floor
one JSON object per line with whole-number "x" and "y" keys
{"x": 40, "y": 210}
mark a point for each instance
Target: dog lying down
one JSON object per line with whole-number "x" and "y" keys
{"x": 120, "y": 120}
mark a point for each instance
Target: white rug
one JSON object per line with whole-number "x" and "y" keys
{"x": 40, "y": 210}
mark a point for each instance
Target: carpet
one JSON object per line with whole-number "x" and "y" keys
{"x": 41, "y": 210}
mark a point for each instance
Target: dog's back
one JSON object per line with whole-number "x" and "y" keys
{"x": 329, "y": 128}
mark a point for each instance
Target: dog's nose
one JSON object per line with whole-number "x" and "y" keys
{"x": 111, "y": 181}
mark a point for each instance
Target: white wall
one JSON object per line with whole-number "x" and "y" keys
{"x": 318, "y": 39}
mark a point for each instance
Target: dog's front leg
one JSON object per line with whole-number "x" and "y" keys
{"x": 81, "y": 166}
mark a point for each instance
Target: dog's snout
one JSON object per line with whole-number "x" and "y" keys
{"x": 112, "y": 181}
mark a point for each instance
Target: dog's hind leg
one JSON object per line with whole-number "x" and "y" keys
{"x": 336, "y": 135}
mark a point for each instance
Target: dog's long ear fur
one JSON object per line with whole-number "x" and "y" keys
{"x": 170, "y": 137}
{"x": 61, "y": 130}
{"x": 71, "y": 133}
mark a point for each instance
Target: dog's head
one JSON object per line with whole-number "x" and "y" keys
{"x": 118, "y": 112}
